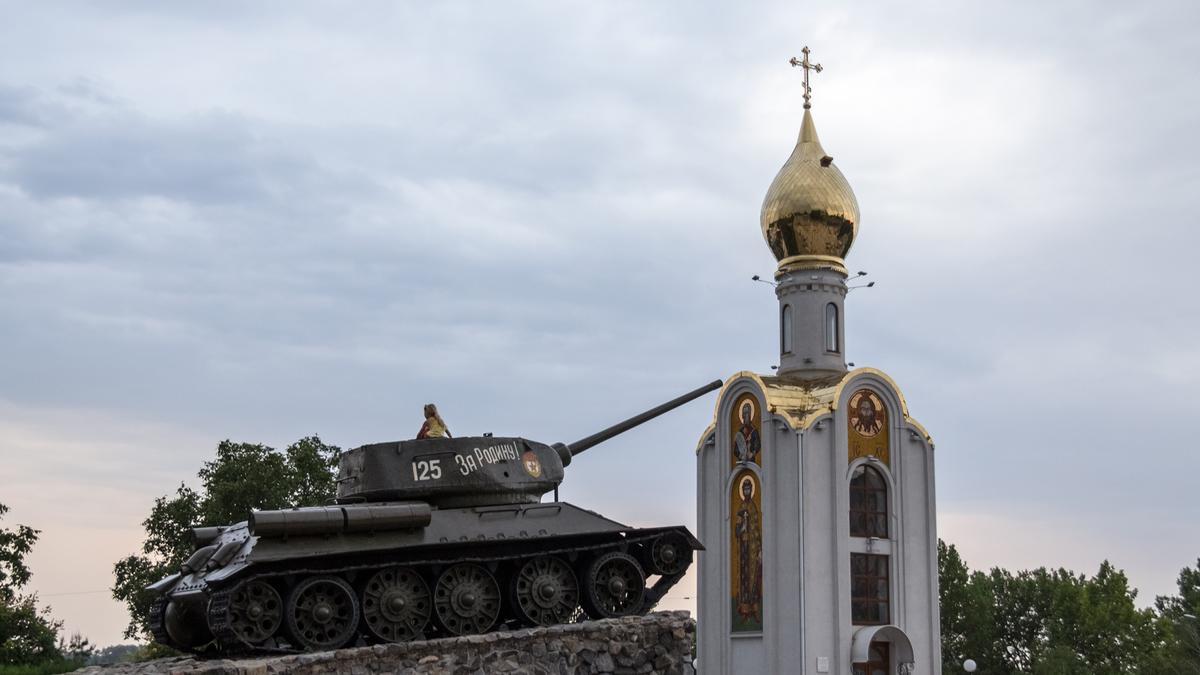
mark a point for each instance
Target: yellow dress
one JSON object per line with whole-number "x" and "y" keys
{"x": 434, "y": 428}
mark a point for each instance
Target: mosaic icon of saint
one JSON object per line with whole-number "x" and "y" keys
{"x": 746, "y": 441}
{"x": 866, "y": 413}
{"x": 748, "y": 532}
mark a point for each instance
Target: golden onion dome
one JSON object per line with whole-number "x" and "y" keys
{"x": 810, "y": 216}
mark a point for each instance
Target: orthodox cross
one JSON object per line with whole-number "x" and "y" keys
{"x": 807, "y": 66}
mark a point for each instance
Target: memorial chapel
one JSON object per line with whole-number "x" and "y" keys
{"x": 815, "y": 485}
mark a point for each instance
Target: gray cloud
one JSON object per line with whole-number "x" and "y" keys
{"x": 232, "y": 222}
{"x": 20, "y": 106}
{"x": 211, "y": 159}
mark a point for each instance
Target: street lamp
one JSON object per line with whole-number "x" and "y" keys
{"x": 969, "y": 665}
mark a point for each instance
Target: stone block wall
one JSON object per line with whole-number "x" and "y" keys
{"x": 657, "y": 643}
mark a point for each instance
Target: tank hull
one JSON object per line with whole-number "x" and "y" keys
{"x": 468, "y": 570}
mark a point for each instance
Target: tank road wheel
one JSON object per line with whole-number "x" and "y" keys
{"x": 467, "y": 599}
{"x": 322, "y": 613}
{"x": 670, "y": 554}
{"x": 255, "y": 612}
{"x": 396, "y": 604}
{"x": 545, "y": 592}
{"x": 613, "y": 586}
{"x": 185, "y": 626}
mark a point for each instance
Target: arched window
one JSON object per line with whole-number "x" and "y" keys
{"x": 785, "y": 330}
{"x": 831, "y": 328}
{"x": 868, "y": 503}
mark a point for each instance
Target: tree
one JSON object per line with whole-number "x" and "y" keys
{"x": 1061, "y": 660}
{"x": 113, "y": 654}
{"x": 242, "y": 477}
{"x": 1181, "y": 619}
{"x": 1046, "y": 622}
{"x": 164, "y": 550}
{"x": 27, "y": 635}
{"x": 78, "y": 649}
{"x": 14, "y": 546}
{"x": 954, "y": 592}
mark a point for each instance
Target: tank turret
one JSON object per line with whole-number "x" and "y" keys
{"x": 426, "y": 538}
{"x": 473, "y": 470}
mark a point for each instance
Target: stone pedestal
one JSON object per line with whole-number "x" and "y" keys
{"x": 657, "y": 643}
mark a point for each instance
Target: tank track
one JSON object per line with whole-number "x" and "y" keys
{"x": 228, "y": 642}
{"x": 157, "y": 623}
{"x": 218, "y": 622}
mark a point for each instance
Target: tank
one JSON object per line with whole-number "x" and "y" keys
{"x": 426, "y": 538}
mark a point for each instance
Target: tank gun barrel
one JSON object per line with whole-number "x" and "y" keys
{"x": 621, "y": 427}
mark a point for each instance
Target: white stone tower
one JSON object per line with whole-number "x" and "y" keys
{"x": 815, "y": 486}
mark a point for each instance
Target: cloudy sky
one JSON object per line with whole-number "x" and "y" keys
{"x": 259, "y": 222}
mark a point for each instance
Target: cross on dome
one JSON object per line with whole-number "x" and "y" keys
{"x": 807, "y": 66}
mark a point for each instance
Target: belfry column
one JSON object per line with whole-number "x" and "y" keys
{"x": 811, "y": 311}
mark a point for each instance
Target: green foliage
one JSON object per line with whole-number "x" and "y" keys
{"x": 113, "y": 654}
{"x": 166, "y": 546}
{"x": 27, "y": 635}
{"x": 67, "y": 656}
{"x": 151, "y": 651}
{"x": 29, "y": 639}
{"x": 14, "y": 546}
{"x": 966, "y": 609}
{"x": 242, "y": 477}
{"x": 1046, "y": 622}
{"x": 312, "y": 468}
{"x": 1181, "y": 621}
{"x": 1061, "y": 660}
{"x": 163, "y": 538}
{"x": 46, "y": 668}
{"x": 76, "y": 650}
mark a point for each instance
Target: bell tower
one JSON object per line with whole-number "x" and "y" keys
{"x": 815, "y": 486}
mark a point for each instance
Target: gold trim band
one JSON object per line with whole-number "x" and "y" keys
{"x": 811, "y": 262}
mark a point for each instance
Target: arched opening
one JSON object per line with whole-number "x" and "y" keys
{"x": 832, "y": 329}
{"x": 785, "y": 330}
{"x": 879, "y": 661}
{"x": 868, "y": 503}
{"x": 873, "y": 647}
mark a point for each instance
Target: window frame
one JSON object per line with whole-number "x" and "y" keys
{"x": 882, "y": 494}
{"x": 871, "y": 579}
{"x": 833, "y": 328}
{"x": 786, "y": 335}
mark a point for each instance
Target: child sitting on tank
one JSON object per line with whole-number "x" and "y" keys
{"x": 434, "y": 426}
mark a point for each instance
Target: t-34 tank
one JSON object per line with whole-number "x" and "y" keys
{"x": 435, "y": 537}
